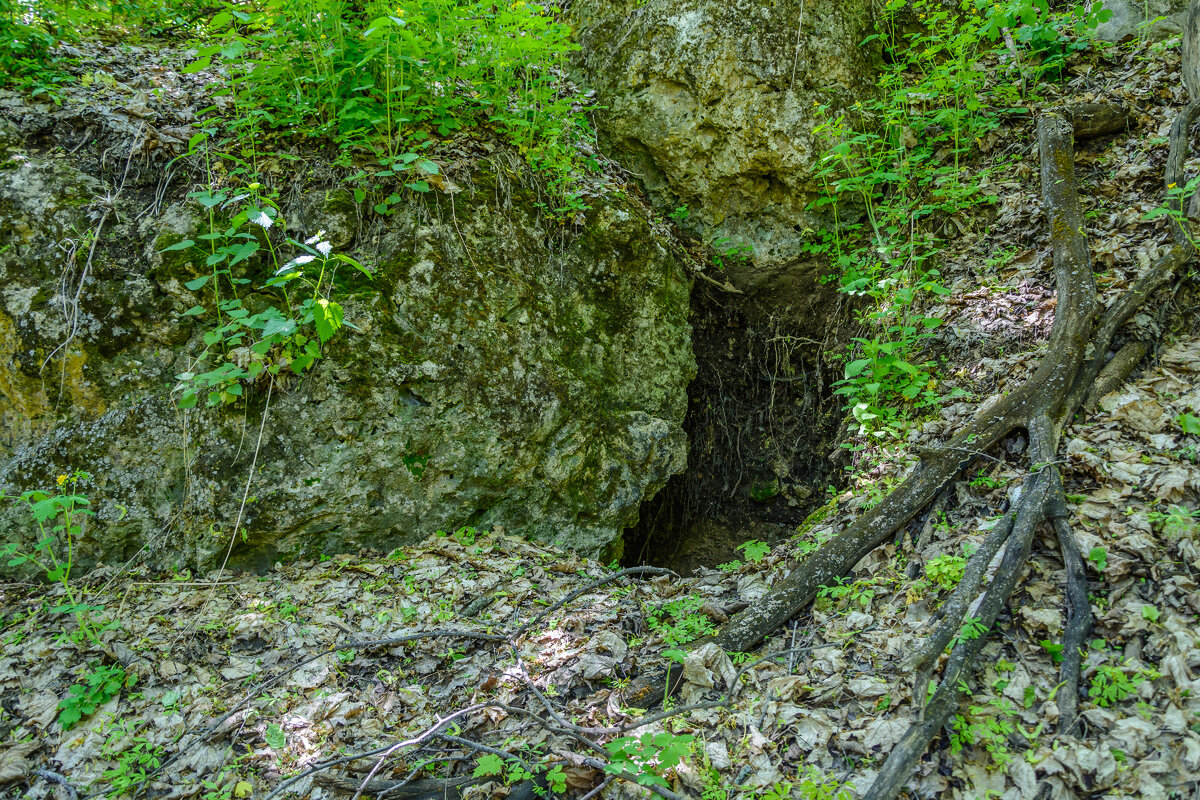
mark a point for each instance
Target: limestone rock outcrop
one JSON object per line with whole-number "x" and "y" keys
{"x": 503, "y": 370}
{"x": 710, "y": 104}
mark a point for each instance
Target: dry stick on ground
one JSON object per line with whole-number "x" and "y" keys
{"x": 391, "y": 641}
{"x": 403, "y": 639}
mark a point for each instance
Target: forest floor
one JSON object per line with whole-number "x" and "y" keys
{"x": 435, "y": 657}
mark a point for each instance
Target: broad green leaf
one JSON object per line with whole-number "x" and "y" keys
{"x": 488, "y": 764}
{"x": 276, "y": 738}
{"x": 197, "y": 65}
{"x": 354, "y": 263}
{"x": 856, "y": 367}
{"x": 184, "y": 245}
{"x": 278, "y": 326}
{"x": 327, "y": 316}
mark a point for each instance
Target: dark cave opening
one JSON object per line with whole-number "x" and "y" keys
{"x": 761, "y": 423}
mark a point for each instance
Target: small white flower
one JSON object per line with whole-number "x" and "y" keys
{"x": 262, "y": 219}
{"x": 295, "y": 262}
{"x": 324, "y": 247}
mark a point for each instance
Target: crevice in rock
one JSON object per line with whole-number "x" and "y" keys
{"x": 761, "y": 423}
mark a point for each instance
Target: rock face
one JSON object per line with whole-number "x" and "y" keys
{"x": 710, "y": 103}
{"x": 1155, "y": 20}
{"x": 504, "y": 371}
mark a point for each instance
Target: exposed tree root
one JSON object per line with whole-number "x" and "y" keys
{"x": 1115, "y": 372}
{"x": 1077, "y": 628}
{"x": 1042, "y": 496}
{"x": 954, "y": 610}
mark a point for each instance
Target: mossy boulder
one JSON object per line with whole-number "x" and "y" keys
{"x": 503, "y": 372}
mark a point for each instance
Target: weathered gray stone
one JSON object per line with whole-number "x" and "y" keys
{"x": 504, "y": 372}
{"x": 1156, "y": 20}
{"x": 710, "y": 103}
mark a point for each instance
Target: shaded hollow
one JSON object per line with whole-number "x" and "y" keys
{"x": 761, "y": 423}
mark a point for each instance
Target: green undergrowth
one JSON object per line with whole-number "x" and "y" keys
{"x": 385, "y": 84}
{"x": 32, "y": 30}
{"x": 389, "y": 80}
{"x": 901, "y": 165}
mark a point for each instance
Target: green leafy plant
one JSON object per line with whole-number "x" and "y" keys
{"x": 855, "y": 593}
{"x": 1189, "y": 423}
{"x": 646, "y": 759}
{"x": 946, "y": 570}
{"x": 100, "y": 685}
{"x": 1174, "y": 208}
{"x": 889, "y": 167}
{"x": 1055, "y": 650}
{"x": 1176, "y": 521}
{"x": 1111, "y": 684}
{"x": 465, "y": 535}
{"x": 815, "y": 786}
{"x": 134, "y": 767}
{"x": 26, "y": 49}
{"x": 984, "y": 481}
{"x": 754, "y": 550}
{"x": 725, "y": 250}
{"x": 680, "y": 622}
{"x": 988, "y": 725}
{"x": 274, "y": 736}
{"x": 809, "y": 540}
{"x": 59, "y": 515}
{"x": 892, "y": 172}
{"x": 1047, "y": 34}
{"x": 715, "y": 787}
{"x": 243, "y": 346}
{"x": 781, "y": 790}
{"x": 512, "y": 772}
{"x": 1099, "y": 557}
{"x": 971, "y": 628}
{"x": 388, "y": 77}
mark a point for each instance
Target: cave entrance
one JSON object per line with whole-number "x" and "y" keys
{"x": 761, "y": 423}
